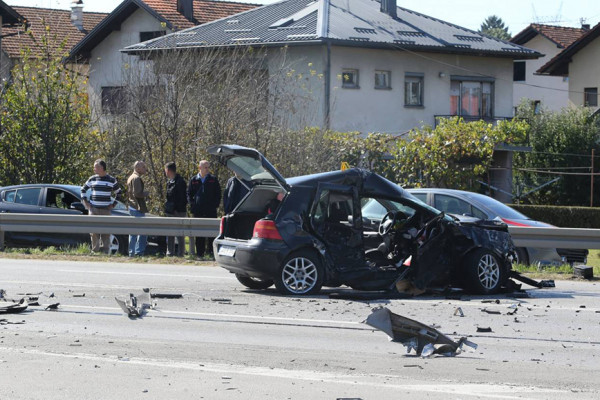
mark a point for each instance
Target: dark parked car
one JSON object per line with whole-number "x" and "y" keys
{"x": 459, "y": 202}
{"x": 52, "y": 199}
{"x": 351, "y": 228}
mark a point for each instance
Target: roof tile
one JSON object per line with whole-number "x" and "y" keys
{"x": 563, "y": 36}
{"x": 59, "y": 22}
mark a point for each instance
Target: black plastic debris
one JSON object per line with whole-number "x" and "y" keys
{"x": 79, "y": 295}
{"x": 135, "y": 306}
{"x": 423, "y": 339}
{"x": 2, "y": 293}
{"x": 52, "y": 307}
{"x": 532, "y": 282}
{"x": 166, "y": 295}
{"x": 493, "y": 312}
{"x": 13, "y": 308}
{"x": 583, "y": 272}
{"x": 484, "y": 330}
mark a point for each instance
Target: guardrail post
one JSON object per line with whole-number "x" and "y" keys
{"x": 192, "y": 246}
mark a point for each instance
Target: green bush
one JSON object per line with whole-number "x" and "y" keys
{"x": 564, "y": 217}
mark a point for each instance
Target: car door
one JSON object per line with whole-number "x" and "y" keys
{"x": 56, "y": 200}
{"x": 335, "y": 218}
{"x": 23, "y": 201}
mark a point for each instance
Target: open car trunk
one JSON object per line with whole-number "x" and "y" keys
{"x": 239, "y": 224}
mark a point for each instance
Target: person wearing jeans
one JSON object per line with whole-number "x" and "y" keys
{"x": 136, "y": 200}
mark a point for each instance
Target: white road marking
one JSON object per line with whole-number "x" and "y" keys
{"x": 250, "y": 317}
{"x": 490, "y": 391}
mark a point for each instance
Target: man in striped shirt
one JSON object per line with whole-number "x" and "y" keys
{"x": 101, "y": 188}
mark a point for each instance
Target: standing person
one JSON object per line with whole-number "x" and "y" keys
{"x": 235, "y": 190}
{"x": 136, "y": 200}
{"x": 101, "y": 187}
{"x": 175, "y": 206}
{"x": 204, "y": 196}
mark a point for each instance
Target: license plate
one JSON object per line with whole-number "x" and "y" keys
{"x": 227, "y": 251}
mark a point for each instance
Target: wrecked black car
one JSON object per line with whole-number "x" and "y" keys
{"x": 351, "y": 228}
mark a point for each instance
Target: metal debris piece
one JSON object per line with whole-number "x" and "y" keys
{"x": 459, "y": 312}
{"x": 166, "y": 295}
{"x": 14, "y": 308}
{"x": 135, "y": 306}
{"x": 512, "y": 312}
{"x": 2, "y": 293}
{"x": 79, "y": 295}
{"x": 52, "y": 307}
{"x": 414, "y": 335}
{"x": 484, "y": 330}
{"x": 220, "y": 300}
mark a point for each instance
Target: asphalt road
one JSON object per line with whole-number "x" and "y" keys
{"x": 224, "y": 342}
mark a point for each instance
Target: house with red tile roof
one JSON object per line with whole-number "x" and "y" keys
{"x": 9, "y": 18}
{"x": 550, "y": 92}
{"x": 134, "y": 21}
{"x": 580, "y": 63}
{"x": 37, "y": 22}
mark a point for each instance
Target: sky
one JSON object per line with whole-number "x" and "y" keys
{"x": 517, "y": 14}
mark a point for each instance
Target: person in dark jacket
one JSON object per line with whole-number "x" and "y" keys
{"x": 204, "y": 196}
{"x": 175, "y": 206}
{"x": 235, "y": 190}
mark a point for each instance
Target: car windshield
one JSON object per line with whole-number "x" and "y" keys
{"x": 502, "y": 210}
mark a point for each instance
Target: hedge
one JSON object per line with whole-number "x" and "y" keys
{"x": 564, "y": 217}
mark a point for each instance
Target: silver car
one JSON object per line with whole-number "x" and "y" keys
{"x": 459, "y": 202}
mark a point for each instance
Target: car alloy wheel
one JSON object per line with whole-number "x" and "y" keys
{"x": 488, "y": 271}
{"x": 299, "y": 275}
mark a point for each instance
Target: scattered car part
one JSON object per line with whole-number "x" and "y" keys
{"x": 135, "y": 306}
{"x": 52, "y": 307}
{"x": 14, "y": 308}
{"x": 484, "y": 330}
{"x": 163, "y": 295}
{"x": 2, "y": 293}
{"x": 583, "y": 272}
{"x": 493, "y": 312}
{"x": 532, "y": 282}
{"x": 459, "y": 312}
{"x": 414, "y": 335}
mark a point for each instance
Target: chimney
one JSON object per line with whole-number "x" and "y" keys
{"x": 77, "y": 14}
{"x": 186, "y": 7}
{"x": 585, "y": 27}
{"x": 389, "y": 7}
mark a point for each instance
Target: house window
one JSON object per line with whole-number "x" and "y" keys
{"x": 151, "y": 35}
{"x": 471, "y": 97}
{"x": 413, "y": 90}
{"x": 350, "y": 78}
{"x": 590, "y": 97}
{"x": 382, "y": 80}
{"x": 519, "y": 68}
{"x": 113, "y": 100}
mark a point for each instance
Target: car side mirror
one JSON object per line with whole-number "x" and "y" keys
{"x": 77, "y": 205}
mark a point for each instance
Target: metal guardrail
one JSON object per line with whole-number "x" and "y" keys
{"x": 564, "y": 238}
{"x": 60, "y": 223}
{"x": 555, "y": 238}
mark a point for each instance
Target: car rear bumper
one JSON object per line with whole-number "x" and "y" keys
{"x": 258, "y": 258}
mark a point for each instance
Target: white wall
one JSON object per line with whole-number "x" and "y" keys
{"x": 556, "y": 96}
{"x": 372, "y": 110}
{"x": 108, "y": 66}
{"x": 584, "y": 71}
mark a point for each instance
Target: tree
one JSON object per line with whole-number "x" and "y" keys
{"x": 561, "y": 146}
{"x": 455, "y": 154}
{"x": 44, "y": 131}
{"x": 494, "y": 26}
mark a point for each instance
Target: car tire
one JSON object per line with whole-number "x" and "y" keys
{"x": 254, "y": 283}
{"x": 119, "y": 244}
{"x": 522, "y": 256}
{"x": 484, "y": 272}
{"x": 301, "y": 273}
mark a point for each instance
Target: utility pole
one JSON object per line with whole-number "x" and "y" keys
{"x": 592, "y": 182}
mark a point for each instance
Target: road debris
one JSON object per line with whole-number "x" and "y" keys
{"x": 52, "y": 307}
{"x": 493, "y": 312}
{"x": 14, "y": 308}
{"x": 532, "y": 282}
{"x": 135, "y": 306}
{"x": 583, "y": 272}
{"x": 2, "y": 293}
{"x": 459, "y": 312}
{"x": 423, "y": 339}
{"x": 79, "y": 295}
{"x": 163, "y": 295}
{"x": 484, "y": 330}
